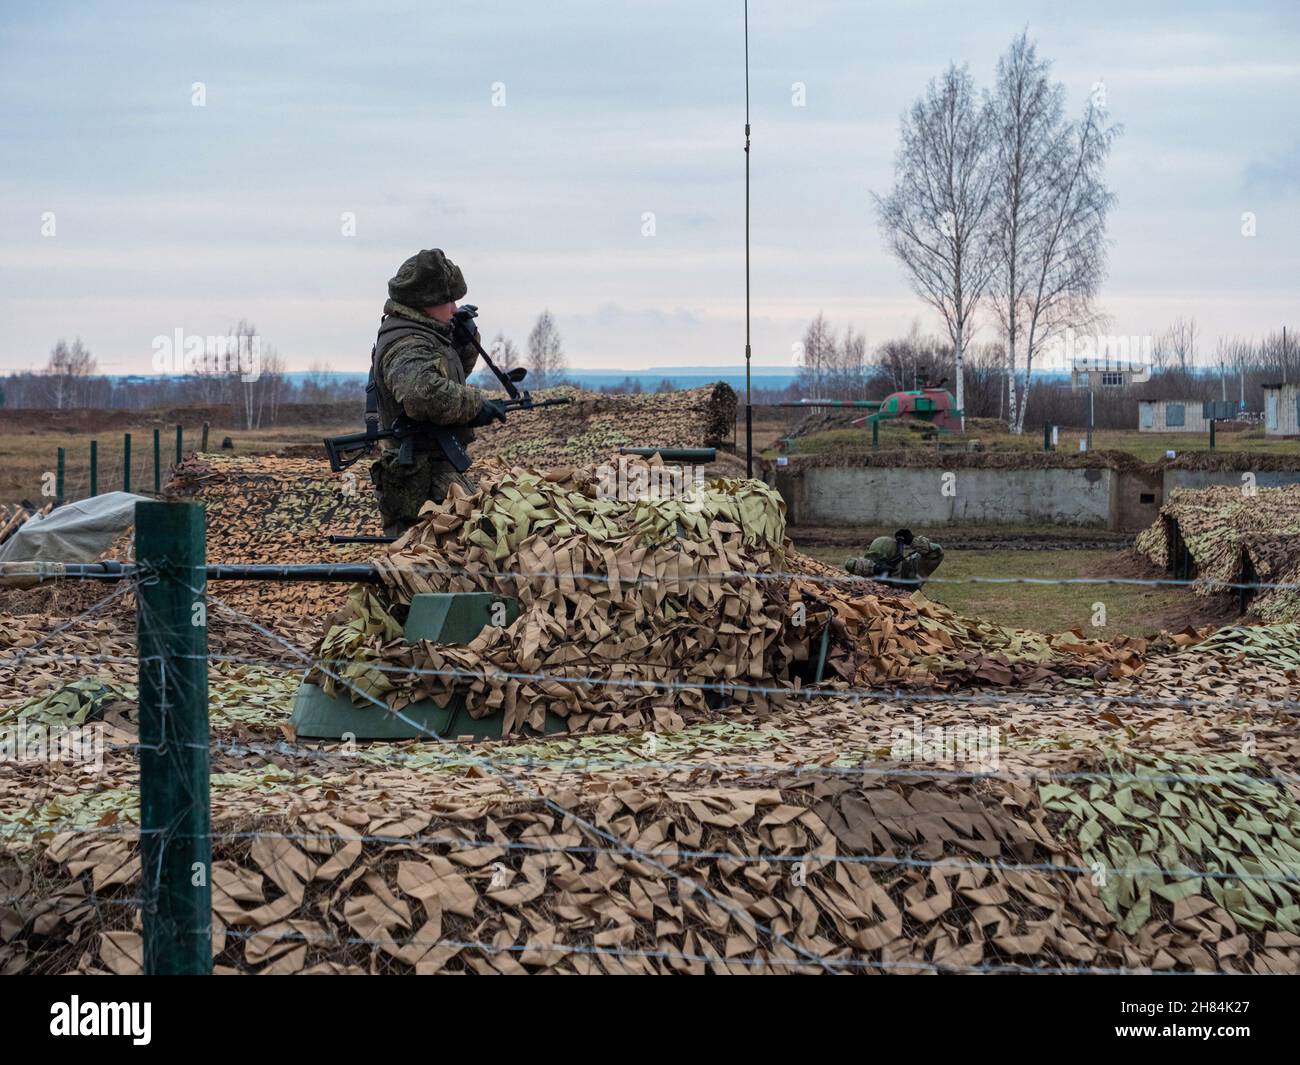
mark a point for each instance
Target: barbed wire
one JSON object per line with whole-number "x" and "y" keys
{"x": 1016, "y": 697}
{"x": 952, "y": 864}
{"x": 899, "y": 586}
{"x": 903, "y": 586}
{"x": 811, "y": 769}
{"x": 94, "y": 608}
{"x": 619, "y": 844}
{"x": 715, "y": 959}
{"x": 734, "y": 687}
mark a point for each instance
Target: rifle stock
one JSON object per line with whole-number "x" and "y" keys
{"x": 347, "y": 450}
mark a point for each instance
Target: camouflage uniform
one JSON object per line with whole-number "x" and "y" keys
{"x": 421, "y": 375}
{"x": 884, "y": 559}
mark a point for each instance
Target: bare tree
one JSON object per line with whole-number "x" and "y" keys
{"x": 936, "y": 217}
{"x": 849, "y": 375}
{"x": 504, "y": 354}
{"x": 817, "y": 353}
{"x": 1027, "y": 114}
{"x": 900, "y": 358}
{"x": 66, "y": 372}
{"x": 1181, "y": 340}
{"x": 545, "y": 355}
{"x": 1278, "y": 355}
{"x": 1048, "y": 221}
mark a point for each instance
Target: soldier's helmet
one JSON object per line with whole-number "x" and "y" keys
{"x": 883, "y": 548}
{"x": 427, "y": 279}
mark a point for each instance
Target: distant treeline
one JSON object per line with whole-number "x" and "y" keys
{"x": 1236, "y": 369}
{"x": 830, "y": 366}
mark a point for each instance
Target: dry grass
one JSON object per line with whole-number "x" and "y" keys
{"x": 1132, "y": 610}
{"x": 28, "y": 458}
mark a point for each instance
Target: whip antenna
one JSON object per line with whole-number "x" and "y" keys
{"x": 749, "y": 406}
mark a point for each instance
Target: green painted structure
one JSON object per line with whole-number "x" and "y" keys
{"x": 448, "y": 618}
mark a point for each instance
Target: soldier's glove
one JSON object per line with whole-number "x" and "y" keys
{"x": 492, "y": 410}
{"x": 463, "y": 327}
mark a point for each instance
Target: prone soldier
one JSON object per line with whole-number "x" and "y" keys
{"x": 903, "y": 558}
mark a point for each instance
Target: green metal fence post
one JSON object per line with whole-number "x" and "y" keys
{"x": 58, "y": 478}
{"x": 1211, "y": 434}
{"x": 175, "y": 821}
{"x": 875, "y": 434}
{"x": 94, "y": 468}
{"x": 126, "y": 462}
{"x": 178, "y": 445}
{"x": 204, "y": 446}
{"x": 157, "y": 462}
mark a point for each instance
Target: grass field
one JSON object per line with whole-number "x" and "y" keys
{"x": 1132, "y": 610}
{"x": 27, "y": 457}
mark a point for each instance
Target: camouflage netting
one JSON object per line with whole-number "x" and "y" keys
{"x": 1235, "y": 538}
{"x": 283, "y": 508}
{"x": 1135, "y": 848}
{"x": 646, "y": 609}
{"x": 594, "y": 426}
{"x": 276, "y": 509}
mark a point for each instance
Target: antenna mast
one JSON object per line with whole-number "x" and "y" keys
{"x": 749, "y": 406}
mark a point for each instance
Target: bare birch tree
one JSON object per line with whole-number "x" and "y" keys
{"x": 505, "y": 354}
{"x": 66, "y": 372}
{"x": 936, "y": 218}
{"x": 816, "y": 356}
{"x": 1049, "y": 212}
{"x": 545, "y": 354}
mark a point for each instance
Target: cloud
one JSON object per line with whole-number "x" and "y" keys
{"x": 195, "y": 217}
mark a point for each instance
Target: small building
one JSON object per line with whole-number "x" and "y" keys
{"x": 1081, "y": 380}
{"x": 1282, "y": 410}
{"x": 1172, "y": 416}
{"x": 1097, "y": 372}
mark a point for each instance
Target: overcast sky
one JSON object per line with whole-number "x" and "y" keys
{"x": 170, "y": 216}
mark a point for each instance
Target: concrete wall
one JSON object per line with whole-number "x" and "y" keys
{"x": 1139, "y": 496}
{"x": 878, "y": 495}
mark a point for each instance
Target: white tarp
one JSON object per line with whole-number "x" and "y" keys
{"x": 74, "y": 532}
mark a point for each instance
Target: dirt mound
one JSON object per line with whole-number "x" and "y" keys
{"x": 962, "y": 459}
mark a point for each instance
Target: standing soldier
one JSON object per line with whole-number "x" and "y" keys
{"x": 903, "y": 558}
{"x": 421, "y": 360}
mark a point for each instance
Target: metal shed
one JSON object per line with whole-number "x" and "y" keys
{"x": 1281, "y": 410}
{"x": 1172, "y": 416}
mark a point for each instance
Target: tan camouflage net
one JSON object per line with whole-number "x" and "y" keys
{"x": 650, "y": 610}
{"x": 594, "y": 426}
{"x": 1235, "y": 536}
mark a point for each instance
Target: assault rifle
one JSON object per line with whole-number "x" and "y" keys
{"x": 344, "y": 451}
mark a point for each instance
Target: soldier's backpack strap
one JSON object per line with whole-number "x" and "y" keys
{"x": 372, "y": 397}
{"x": 391, "y": 330}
